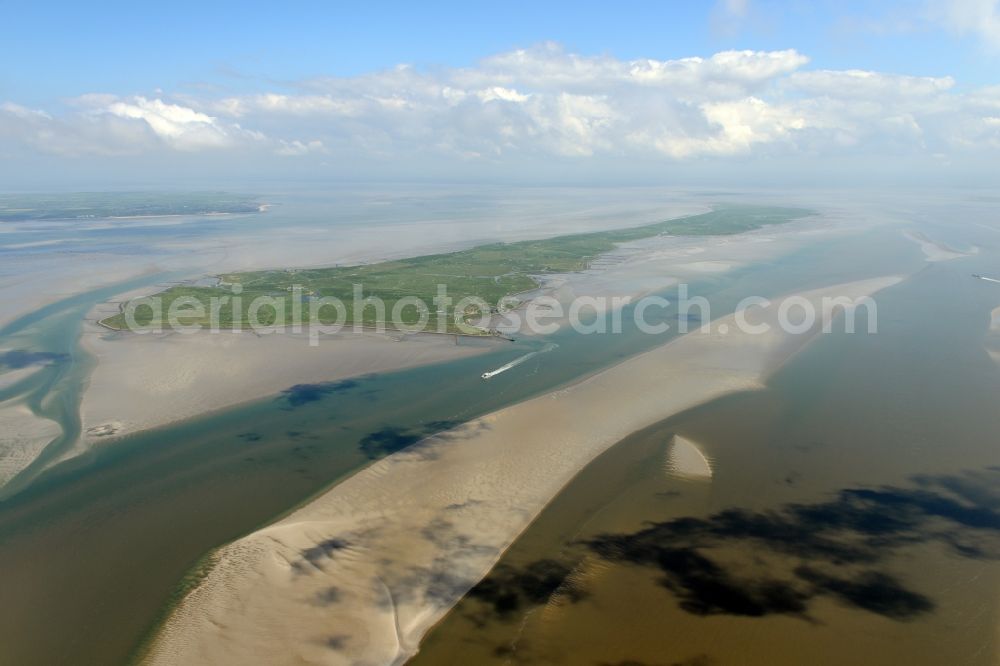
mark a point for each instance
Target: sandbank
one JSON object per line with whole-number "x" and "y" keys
{"x": 686, "y": 460}
{"x": 935, "y": 251}
{"x": 362, "y": 572}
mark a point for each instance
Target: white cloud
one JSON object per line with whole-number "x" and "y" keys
{"x": 548, "y": 67}
{"x": 108, "y": 125}
{"x": 495, "y": 93}
{"x": 80, "y": 134}
{"x": 297, "y": 148}
{"x": 854, "y": 83}
{"x": 574, "y": 125}
{"x": 750, "y": 121}
{"x": 539, "y": 104}
{"x": 970, "y": 17}
{"x": 291, "y": 104}
{"x": 181, "y": 127}
{"x": 23, "y": 112}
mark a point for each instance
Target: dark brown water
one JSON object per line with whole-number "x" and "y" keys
{"x": 853, "y": 516}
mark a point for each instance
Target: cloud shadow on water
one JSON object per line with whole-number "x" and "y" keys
{"x": 508, "y": 590}
{"x": 302, "y": 394}
{"x": 776, "y": 562}
{"x": 833, "y": 548}
{"x": 15, "y": 359}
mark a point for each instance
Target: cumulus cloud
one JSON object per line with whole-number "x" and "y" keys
{"x": 101, "y": 124}
{"x": 542, "y": 100}
{"x": 543, "y": 103}
{"x": 179, "y": 126}
{"x": 854, "y": 83}
{"x": 548, "y": 67}
{"x": 78, "y": 134}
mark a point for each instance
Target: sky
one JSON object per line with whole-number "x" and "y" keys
{"x": 726, "y": 93}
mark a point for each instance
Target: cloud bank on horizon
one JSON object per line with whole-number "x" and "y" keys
{"x": 546, "y": 104}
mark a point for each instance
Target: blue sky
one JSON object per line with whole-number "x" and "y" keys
{"x": 546, "y": 90}
{"x": 58, "y": 50}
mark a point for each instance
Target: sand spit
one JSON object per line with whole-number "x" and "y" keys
{"x": 362, "y": 572}
{"x": 935, "y": 251}
{"x": 686, "y": 460}
{"x": 143, "y": 381}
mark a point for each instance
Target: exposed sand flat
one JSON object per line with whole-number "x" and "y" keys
{"x": 11, "y": 377}
{"x": 707, "y": 266}
{"x": 935, "y": 251}
{"x": 359, "y": 574}
{"x": 993, "y": 335}
{"x": 686, "y": 460}
{"x": 28, "y": 283}
{"x": 650, "y": 265}
{"x": 24, "y": 435}
{"x": 142, "y": 381}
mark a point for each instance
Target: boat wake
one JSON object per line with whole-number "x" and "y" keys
{"x": 519, "y": 360}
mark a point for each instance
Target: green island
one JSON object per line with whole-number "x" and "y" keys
{"x": 494, "y": 273}
{"x": 91, "y": 205}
